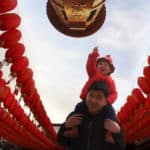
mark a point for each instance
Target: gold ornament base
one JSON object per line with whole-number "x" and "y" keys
{"x": 76, "y": 18}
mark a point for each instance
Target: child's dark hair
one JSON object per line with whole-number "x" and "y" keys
{"x": 100, "y": 86}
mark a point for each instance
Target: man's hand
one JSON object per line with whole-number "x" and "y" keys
{"x": 71, "y": 133}
{"x": 111, "y": 126}
{"x": 109, "y": 137}
{"x": 73, "y": 121}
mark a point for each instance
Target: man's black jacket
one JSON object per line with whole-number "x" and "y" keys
{"x": 91, "y": 135}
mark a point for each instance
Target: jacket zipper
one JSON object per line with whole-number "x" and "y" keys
{"x": 89, "y": 135}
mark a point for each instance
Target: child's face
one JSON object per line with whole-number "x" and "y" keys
{"x": 95, "y": 101}
{"x": 104, "y": 67}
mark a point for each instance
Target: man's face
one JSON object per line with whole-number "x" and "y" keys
{"x": 95, "y": 101}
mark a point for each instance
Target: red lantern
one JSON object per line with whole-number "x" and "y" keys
{"x": 3, "y": 116}
{"x": 24, "y": 76}
{"x": 1, "y": 112}
{"x": 11, "y": 123}
{"x": 122, "y": 116}
{"x": 147, "y": 104}
{"x": 28, "y": 87}
{"x": 10, "y": 38}
{"x": 138, "y": 97}
{"x": 18, "y": 112}
{"x": 119, "y": 116}
{"x": 19, "y": 65}
{"x": 144, "y": 84}
{"x": 29, "y": 98}
{"x": 14, "y": 52}
{"x": 126, "y": 113}
{"x": 129, "y": 109}
{"x": 9, "y": 21}
{"x": 36, "y": 102}
{"x": 7, "y": 5}
{"x": 132, "y": 103}
{"x": 2, "y": 82}
{"x": 8, "y": 101}
{"x": 4, "y": 92}
{"x": 146, "y": 71}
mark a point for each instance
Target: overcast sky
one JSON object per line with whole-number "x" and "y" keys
{"x": 58, "y": 61}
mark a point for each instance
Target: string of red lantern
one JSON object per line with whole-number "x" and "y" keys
{"x": 7, "y": 42}
{"x": 15, "y": 109}
{"x": 17, "y": 133}
{"x": 134, "y": 115}
{"x": 19, "y": 68}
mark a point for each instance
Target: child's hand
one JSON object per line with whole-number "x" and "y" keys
{"x": 95, "y": 50}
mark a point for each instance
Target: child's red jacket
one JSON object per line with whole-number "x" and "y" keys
{"x": 95, "y": 75}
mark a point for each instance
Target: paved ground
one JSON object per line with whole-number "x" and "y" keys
{"x": 8, "y": 146}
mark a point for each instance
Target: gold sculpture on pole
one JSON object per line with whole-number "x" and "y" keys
{"x": 76, "y": 18}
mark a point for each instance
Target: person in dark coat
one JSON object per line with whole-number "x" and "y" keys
{"x": 91, "y": 125}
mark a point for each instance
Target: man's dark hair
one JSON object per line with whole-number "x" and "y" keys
{"x": 100, "y": 86}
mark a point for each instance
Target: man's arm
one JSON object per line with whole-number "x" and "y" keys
{"x": 110, "y": 119}
{"x": 112, "y": 126}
